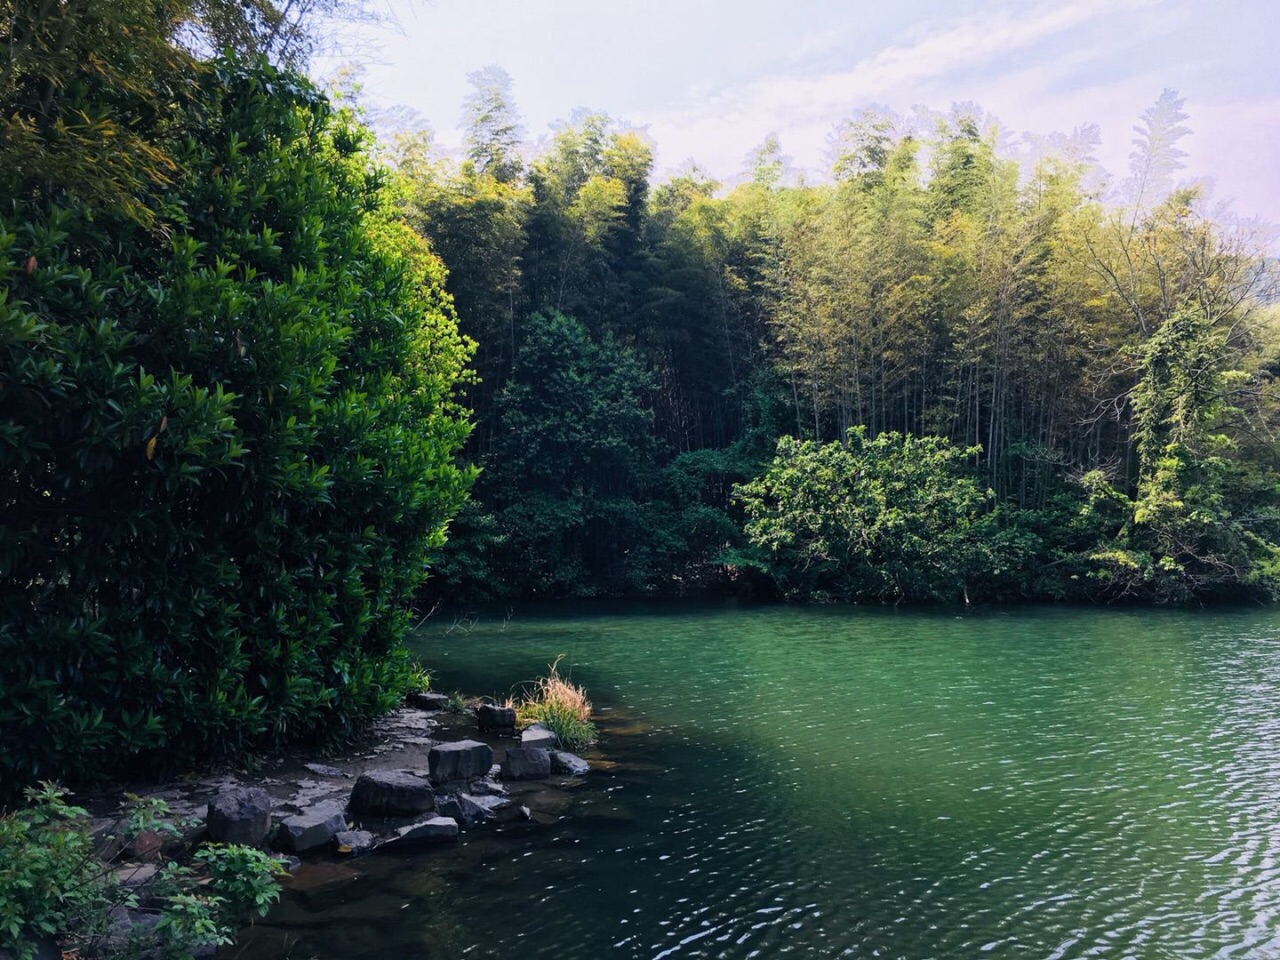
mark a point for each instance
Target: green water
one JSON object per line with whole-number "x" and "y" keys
{"x": 830, "y": 782}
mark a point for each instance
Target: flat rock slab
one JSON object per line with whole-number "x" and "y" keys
{"x": 526, "y": 763}
{"x": 353, "y": 842}
{"x": 239, "y": 815}
{"x": 135, "y": 874}
{"x": 427, "y": 701}
{"x": 436, "y": 829}
{"x": 391, "y": 793}
{"x": 321, "y": 770}
{"x": 539, "y": 736}
{"x": 463, "y": 760}
{"x": 570, "y": 763}
{"x": 310, "y": 831}
{"x": 489, "y": 804}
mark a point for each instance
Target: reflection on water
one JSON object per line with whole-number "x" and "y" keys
{"x": 866, "y": 783}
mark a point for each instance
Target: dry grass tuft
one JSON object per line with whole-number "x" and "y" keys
{"x": 558, "y": 704}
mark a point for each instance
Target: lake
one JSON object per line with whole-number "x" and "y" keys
{"x": 836, "y": 781}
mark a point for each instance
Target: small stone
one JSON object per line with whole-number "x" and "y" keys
{"x": 526, "y": 763}
{"x": 239, "y": 815}
{"x": 427, "y": 701}
{"x": 437, "y": 828}
{"x": 321, "y": 770}
{"x": 307, "y": 831}
{"x": 146, "y": 845}
{"x": 391, "y": 793}
{"x": 563, "y": 762}
{"x": 539, "y": 736}
{"x": 464, "y": 760}
{"x": 492, "y": 718}
{"x": 487, "y": 787}
{"x": 353, "y": 842}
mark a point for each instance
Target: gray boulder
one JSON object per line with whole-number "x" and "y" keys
{"x": 311, "y": 830}
{"x": 239, "y": 815}
{"x": 496, "y": 720}
{"x": 572, "y": 764}
{"x": 353, "y": 842}
{"x": 435, "y": 829}
{"x": 464, "y": 760}
{"x": 526, "y": 763}
{"x": 539, "y": 736}
{"x": 391, "y": 793}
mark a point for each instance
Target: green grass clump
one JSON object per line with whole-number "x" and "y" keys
{"x": 560, "y": 706}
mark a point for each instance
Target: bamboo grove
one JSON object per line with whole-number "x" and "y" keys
{"x": 1100, "y": 351}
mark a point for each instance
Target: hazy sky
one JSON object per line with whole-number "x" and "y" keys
{"x": 709, "y": 80}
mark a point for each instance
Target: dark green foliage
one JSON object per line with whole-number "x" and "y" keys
{"x": 572, "y": 453}
{"x": 227, "y": 447}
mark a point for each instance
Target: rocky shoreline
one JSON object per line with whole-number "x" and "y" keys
{"x": 421, "y": 776}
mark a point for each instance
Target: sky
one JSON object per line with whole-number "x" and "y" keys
{"x": 710, "y": 79}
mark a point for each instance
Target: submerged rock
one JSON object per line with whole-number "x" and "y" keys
{"x": 570, "y": 763}
{"x": 538, "y": 735}
{"x": 239, "y": 815}
{"x": 309, "y": 831}
{"x": 469, "y": 810}
{"x": 391, "y": 793}
{"x": 463, "y": 760}
{"x": 526, "y": 763}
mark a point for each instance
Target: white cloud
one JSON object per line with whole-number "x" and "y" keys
{"x": 721, "y": 128}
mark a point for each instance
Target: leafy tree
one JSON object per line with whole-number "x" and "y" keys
{"x": 494, "y": 131}
{"x": 226, "y": 447}
{"x": 892, "y": 518}
{"x": 573, "y": 454}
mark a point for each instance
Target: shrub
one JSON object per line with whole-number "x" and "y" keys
{"x": 560, "y": 706}
{"x": 892, "y": 518}
{"x": 53, "y": 886}
{"x": 227, "y": 446}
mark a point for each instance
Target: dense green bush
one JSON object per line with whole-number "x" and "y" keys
{"x": 227, "y": 445}
{"x": 889, "y": 518}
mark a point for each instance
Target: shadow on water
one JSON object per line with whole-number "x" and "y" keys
{"x": 835, "y": 782}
